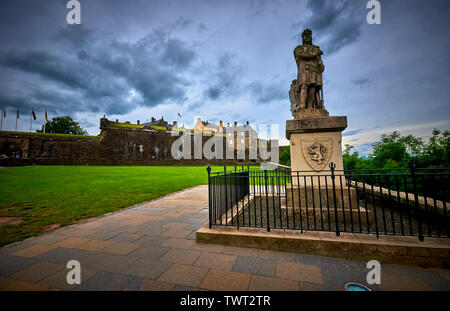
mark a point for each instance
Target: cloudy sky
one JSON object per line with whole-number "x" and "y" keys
{"x": 225, "y": 60}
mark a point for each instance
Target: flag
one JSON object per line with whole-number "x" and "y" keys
{"x": 179, "y": 115}
{"x": 33, "y": 113}
{"x": 17, "y": 117}
{"x": 46, "y": 119}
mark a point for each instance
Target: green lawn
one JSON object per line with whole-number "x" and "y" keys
{"x": 46, "y": 195}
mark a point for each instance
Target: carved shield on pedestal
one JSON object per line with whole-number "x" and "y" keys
{"x": 317, "y": 152}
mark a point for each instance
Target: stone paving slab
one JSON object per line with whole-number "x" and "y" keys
{"x": 151, "y": 246}
{"x": 105, "y": 281}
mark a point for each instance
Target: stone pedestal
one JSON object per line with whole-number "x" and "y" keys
{"x": 315, "y": 142}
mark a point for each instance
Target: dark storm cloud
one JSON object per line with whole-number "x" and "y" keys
{"x": 361, "y": 82}
{"x": 102, "y": 71}
{"x": 77, "y": 36}
{"x": 176, "y": 54}
{"x": 225, "y": 78}
{"x": 64, "y": 81}
{"x": 266, "y": 93}
{"x": 257, "y": 7}
{"x": 12, "y": 100}
{"x": 213, "y": 92}
{"x": 202, "y": 27}
{"x": 47, "y": 66}
{"x": 334, "y": 23}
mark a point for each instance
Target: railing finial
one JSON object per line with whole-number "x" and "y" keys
{"x": 332, "y": 166}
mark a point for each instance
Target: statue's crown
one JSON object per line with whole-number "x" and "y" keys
{"x": 307, "y": 31}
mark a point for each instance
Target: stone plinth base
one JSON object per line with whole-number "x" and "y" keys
{"x": 307, "y": 196}
{"x": 317, "y": 205}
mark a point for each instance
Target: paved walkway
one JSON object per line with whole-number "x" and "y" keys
{"x": 152, "y": 247}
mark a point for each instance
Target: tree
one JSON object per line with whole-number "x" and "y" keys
{"x": 350, "y": 159}
{"x": 63, "y": 125}
{"x": 391, "y": 147}
{"x": 437, "y": 152}
{"x": 414, "y": 146}
{"x": 353, "y": 160}
{"x": 285, "y": 156}
{"x": 396, "y": 151}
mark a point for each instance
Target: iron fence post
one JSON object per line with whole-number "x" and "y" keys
{"x": 226, "y": 195}
{"x": 208, "y": 169}
{"x": 332, "y": 166}
{"x": 267, "y": 201}
{"x": 416, "y": 201}
{"x": 236, "y": 189}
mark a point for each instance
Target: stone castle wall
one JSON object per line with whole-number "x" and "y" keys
{"x": 117, "y": 142}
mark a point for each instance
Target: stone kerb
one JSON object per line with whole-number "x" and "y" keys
{"x": 434, "y": 252}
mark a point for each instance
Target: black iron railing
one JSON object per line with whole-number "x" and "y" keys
{"x": 406, "y": 202}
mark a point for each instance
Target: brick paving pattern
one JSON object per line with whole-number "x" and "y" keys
{"x": 152, "y": 246}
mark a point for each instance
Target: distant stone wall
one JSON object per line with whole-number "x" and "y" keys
{"x": 118, "y": 143}
{"x": 10, "y": 162}
{"x": 114, "y": 146}
{"x": 111, "y": 144}
{"x": 35, "y": 145}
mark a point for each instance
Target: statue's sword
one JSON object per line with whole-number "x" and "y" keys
{"x": 321, "y": 95}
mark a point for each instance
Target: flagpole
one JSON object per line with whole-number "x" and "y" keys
{"x": 31, "y": 120}
{"x": 17, "y": 114}
{"x": 179, "y": 117}
{"x": 46, "y": 120}
{"x": 1, "y": 119}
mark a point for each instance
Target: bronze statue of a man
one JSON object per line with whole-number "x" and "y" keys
{"x": 306, "y": 92}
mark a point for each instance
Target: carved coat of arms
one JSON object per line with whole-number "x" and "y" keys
{"x": 317, "y": 152}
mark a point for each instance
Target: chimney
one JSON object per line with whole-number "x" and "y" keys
{"x": 221, "y": 126}
{"x": 138, "y": 122}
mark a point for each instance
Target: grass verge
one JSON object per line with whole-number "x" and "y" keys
{"x": 47, "y": 196}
